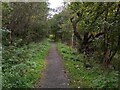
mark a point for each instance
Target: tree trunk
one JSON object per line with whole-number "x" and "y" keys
{"x": 72, "y": 39}
{"x": 106, "y": 50}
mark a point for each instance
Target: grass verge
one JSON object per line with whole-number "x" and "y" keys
{"x": 80, "y": 77}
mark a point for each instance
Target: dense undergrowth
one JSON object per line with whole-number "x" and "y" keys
{"x": 81, "y": 77}
{"x": 23, "y": 66}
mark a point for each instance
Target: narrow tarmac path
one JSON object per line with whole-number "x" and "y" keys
{"x": 54, "y": 76}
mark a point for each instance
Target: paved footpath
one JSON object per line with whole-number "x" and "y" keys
{"x": 54, "y": 76}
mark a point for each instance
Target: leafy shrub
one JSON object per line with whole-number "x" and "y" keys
{"x": 21, "y": 66}
{"x": 80, "y": 77}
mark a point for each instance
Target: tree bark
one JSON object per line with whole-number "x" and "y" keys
{"x": 106, "y": 50}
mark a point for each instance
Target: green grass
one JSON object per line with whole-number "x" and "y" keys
{"x": 22, "y": 67}
{"x": 80, "y": 77}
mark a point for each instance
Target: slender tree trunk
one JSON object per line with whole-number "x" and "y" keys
{"x": 106, "y": 50}
{"x": 72, "y": 39}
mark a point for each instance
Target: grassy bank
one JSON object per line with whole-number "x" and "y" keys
{"x": 80, "y": 77}
{"x": 23, "y": 66}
